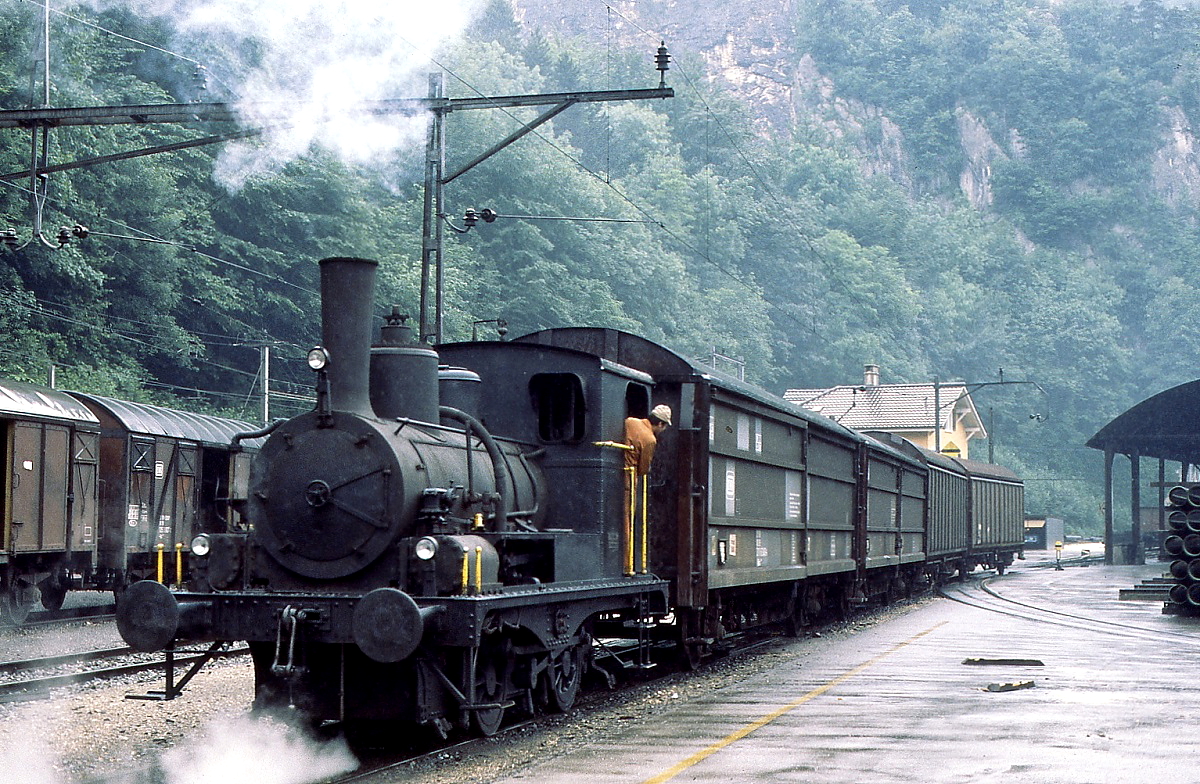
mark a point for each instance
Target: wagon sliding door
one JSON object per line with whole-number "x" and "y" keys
{"x": 39, "y": 478}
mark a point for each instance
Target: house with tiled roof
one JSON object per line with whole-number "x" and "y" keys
{"x": 903, "y": 409}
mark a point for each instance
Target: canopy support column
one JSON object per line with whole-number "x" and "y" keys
{"x": 1109, "y": 454}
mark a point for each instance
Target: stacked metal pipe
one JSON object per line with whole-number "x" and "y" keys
{"x": 1181, "y": 541}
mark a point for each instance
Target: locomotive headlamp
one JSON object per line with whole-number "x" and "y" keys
{"x": 318, "y": 358}
{"x": 201, "y": 545}
{"x": 425, "y": 548}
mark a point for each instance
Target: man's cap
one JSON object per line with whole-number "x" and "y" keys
{"x": 662, "y": 413}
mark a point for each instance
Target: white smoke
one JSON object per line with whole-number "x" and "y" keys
{"x": 26, "y": 754}
{"x": 304, "y": 66}
{"x": 254, "y": 750}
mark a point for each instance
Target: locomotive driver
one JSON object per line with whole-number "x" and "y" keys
{"x": 641, "y": 434}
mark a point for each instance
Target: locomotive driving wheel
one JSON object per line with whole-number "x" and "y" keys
{"x": 491, "y": 668}
{"x": 564, "y": 673}
{"x": 488, "y": 689}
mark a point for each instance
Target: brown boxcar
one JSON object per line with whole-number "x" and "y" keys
{"x": 49, "y": 534}
{"x": 169, "y": 475}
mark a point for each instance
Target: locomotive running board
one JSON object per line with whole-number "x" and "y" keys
{"x": 174, "y": 689}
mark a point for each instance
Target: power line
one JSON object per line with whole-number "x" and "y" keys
{"x": 145, "y": 236}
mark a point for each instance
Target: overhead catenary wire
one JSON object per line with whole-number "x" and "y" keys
{"x": 140, "y": 235}
{"x": 129, "y": 39}
{"x": 731, "y": 273}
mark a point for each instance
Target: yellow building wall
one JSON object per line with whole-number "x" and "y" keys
{"x": 957, "y": 437}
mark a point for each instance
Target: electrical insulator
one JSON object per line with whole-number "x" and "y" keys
{"x": 488, "y": 215}
{"x": 662, "y": 61}
{"x": 470, "y": 218}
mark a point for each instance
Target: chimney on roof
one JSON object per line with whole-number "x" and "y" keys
{"x": 871, "y": 375}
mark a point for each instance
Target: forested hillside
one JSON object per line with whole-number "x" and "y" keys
{"x": 942, "y": 188}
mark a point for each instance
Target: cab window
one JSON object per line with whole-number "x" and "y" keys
{"x": 558, "y": 401}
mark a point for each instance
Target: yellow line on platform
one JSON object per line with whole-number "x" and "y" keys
{"x": 704, "y": 754}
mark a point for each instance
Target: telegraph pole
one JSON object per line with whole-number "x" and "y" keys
{"x": 265, "y": 373}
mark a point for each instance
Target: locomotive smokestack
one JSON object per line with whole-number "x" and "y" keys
{"x": 347, "y": 302}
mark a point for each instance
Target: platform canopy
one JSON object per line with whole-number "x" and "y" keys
{"x": 1166, "y": 426}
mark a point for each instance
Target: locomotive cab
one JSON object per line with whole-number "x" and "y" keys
{"x": 571, "y": 406}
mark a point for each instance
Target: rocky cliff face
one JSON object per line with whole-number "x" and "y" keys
{"x": 1175, "y": 170}
{"x": 748, "y": 45}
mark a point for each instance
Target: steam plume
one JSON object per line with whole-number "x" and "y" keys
{"x": 299, "y": 68}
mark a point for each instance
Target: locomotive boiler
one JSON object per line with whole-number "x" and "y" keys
{"x": 405, "y": 562}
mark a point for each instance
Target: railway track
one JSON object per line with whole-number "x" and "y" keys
{"x": 51, "y": 672}
{"x": 981, "y": 593}
{"x": 38, "y": 618}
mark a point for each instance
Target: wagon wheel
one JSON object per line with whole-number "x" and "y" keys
{"x": 797, "y": 614}
{"x": 17, "y": 602}
{"x": 564, "y": 674}
{"x": 54, "y": 593}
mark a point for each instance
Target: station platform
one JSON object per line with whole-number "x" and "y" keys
{"x": 1113, "y": 700}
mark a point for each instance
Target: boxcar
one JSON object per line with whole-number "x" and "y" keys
{"x": 997, "y": 508}
{"x": 49, "y": 487}
{"x": 169, "y": 475}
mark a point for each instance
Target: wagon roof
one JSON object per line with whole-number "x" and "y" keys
{"x": 33, "y": 400}
{"x": 664, "y": 363}
{"x": 146, "y": 419}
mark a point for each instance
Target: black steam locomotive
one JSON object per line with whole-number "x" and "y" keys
{"x": 448, "y": 534}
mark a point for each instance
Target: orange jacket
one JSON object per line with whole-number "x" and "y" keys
{"x": 639, "y": 434}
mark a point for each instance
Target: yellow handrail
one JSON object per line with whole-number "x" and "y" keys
{"x": 645, "y": 522}
{"x": 614, "y": 445}
{"x": 629, "y": 524}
